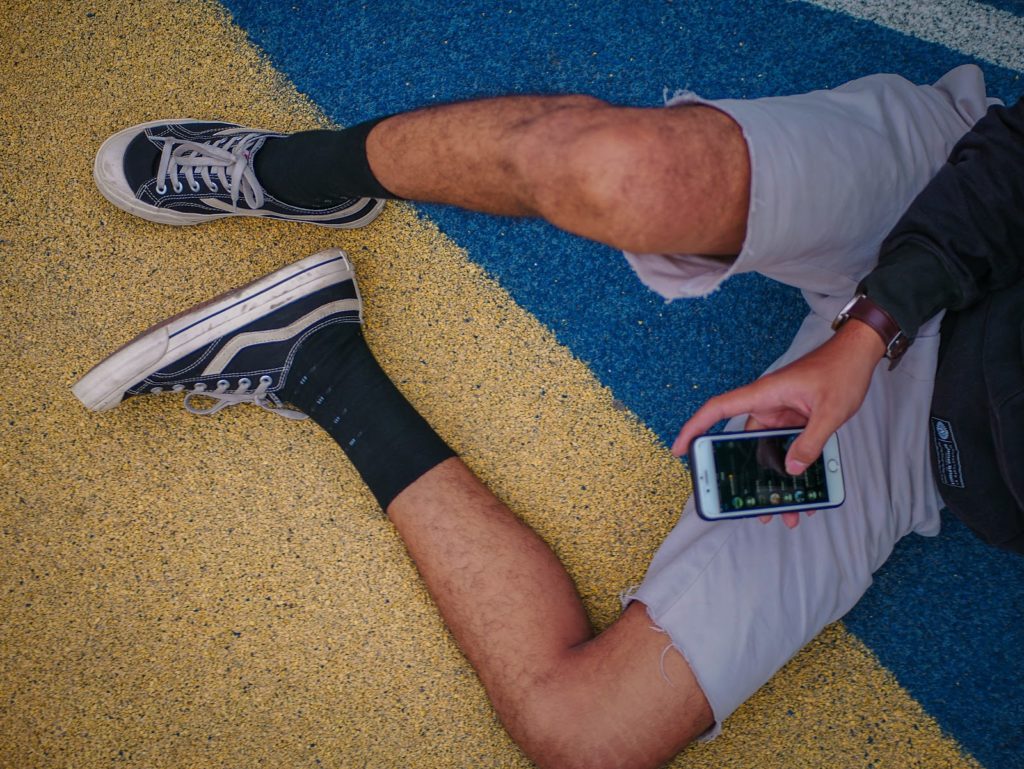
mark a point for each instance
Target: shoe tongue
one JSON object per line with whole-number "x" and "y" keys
{"x": 141, "y": 159}
{"x": 253, "y": 152}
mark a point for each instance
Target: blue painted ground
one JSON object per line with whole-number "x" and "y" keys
{"x": 1015, "y": 7}
{"x": 960, "y": 653}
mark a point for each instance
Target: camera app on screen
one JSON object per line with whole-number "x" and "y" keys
{"x": 752, "y": 473}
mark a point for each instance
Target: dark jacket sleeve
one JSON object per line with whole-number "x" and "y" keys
{"x": 963, "y": 236}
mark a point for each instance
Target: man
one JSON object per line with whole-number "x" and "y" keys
{"x": 800, "y": 188}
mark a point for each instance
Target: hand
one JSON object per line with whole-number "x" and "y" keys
{"x": 820, "y": 390}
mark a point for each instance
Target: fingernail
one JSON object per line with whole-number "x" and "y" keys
{"x": 795, "y": 468}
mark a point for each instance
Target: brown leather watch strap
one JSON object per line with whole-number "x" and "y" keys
{"x": 866, "y": 311}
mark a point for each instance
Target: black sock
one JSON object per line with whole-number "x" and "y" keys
{"x": 336, "y": 381}
{"x": 319, "y": 169}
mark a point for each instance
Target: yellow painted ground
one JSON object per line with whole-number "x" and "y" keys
{"x": 180, "y": 592}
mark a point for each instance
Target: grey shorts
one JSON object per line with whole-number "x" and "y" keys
{"x": 831, "y": 173}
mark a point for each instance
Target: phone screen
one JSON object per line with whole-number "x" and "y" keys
{"x": 751, "y": 473}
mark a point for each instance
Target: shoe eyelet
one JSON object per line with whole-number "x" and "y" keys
{"x": 199, "y": 387}
{"x": 178, "y": 188}
{"x": 244, "y": 382}
{"x": 265, "y": 379}
{"x": 214, "y": 188}
{"x": 223, "y": 383}
{"x": 161, "y": 190}
{"x": 157, "y": 390}
{"x": 178, "y": 388}
{"x": 194, "y": 187}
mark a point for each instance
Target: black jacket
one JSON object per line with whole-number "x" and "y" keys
{"x": 963, "y": 236}
{"x": 960, "y": 247}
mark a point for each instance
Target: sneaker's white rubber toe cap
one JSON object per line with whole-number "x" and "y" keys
{"x": 108, "y": 171}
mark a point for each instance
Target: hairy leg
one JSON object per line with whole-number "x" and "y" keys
{"x": 566, "y": 697}
{"x": 648, "y": 180}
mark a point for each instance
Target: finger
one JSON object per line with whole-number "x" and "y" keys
{"x": 808, "y": 445}
{"x": 764, "y": 518}
{"x": 753, "y": 423}
{"x": 702, "y": 420}
{"x": 707, "y": 416}
{"x": 811, "y": 512}
{"x": 792, "y": 520}
{"x": 780, "y": 418}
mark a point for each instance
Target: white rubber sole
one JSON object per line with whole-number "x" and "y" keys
{"x": 108, "y": 172}
{"x": 104, "y": 386}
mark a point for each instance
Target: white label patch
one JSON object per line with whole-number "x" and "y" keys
{"x": 947, "y": 454}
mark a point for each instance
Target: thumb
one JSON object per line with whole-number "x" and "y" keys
{"x": 808, "y": 445}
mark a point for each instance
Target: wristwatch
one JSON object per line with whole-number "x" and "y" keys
{"x": 866, "y": 311}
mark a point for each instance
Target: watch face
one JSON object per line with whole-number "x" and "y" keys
{"x": 844, "y": 314}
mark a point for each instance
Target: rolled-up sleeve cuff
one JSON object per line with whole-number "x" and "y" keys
{"x": 912, "y": 285}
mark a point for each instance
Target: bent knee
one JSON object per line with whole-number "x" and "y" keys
{"x": 570, "y": 725}
{"x": 556, "y": 734}
{"x": 616, "y": 701}
{"x": 646, "y": 180}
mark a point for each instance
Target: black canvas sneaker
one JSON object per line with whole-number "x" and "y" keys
{"x": 236, "y": 348}
{"x": 189, "y": 171}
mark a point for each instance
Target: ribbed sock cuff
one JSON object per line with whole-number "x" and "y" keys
{"x": 320, "y": 169}
{"x": 336, "y": 381}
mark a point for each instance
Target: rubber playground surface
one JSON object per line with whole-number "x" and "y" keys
{"x": 180, "y": 592}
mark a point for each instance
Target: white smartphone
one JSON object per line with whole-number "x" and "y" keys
{"x": 740, "y": 475}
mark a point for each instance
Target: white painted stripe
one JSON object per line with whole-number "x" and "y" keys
{"x": 973, "y": 28}
{"x": 228, "y": 351}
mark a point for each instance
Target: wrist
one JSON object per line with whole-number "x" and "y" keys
{"x": 864, "y": 309}
{"x": 861, "y": 339}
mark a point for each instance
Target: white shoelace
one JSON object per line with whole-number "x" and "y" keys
{"x": 225, "y": 397}
{"x": 228, "y": 158}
